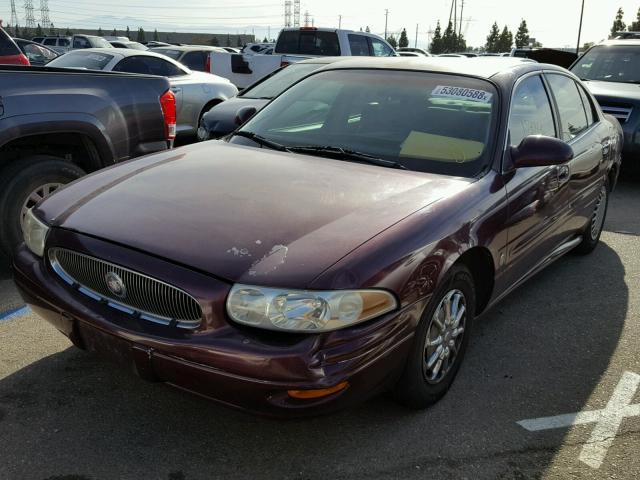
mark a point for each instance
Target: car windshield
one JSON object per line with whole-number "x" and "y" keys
{"x": 615, "y": 63}
{"x": 98, "y": 42}
{"x": 276, "y": 84}
{"x": 424, "y": 121}
{"x": 79, "y": 59}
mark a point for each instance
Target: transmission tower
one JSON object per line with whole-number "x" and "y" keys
{"x": 14, "y": 15}
{"x": 287, "y": 13}
{"x": 296, "y": 13}
{"x": 44, "y": 14}
{"x": 306, "y": 18}
{"x": 29, "y": 20}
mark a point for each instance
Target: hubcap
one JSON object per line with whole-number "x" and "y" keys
{"x": 43, "y": 191}
{"x": 597, "y": 218}
{"x": 444, "y": 336}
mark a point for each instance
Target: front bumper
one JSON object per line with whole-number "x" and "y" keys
{"x": 238, "y": 366}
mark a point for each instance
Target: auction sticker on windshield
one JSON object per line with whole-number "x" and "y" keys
{"x": 462, "y": 93}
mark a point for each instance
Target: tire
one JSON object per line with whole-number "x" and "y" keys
{"x": 415, "y": 389}
{"x": 21, "y": 179}
{"x": 591, "y": 234}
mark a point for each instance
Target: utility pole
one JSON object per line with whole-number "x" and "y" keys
{"x": 339, "y": 22}
{"x": 455, "y": 15}
{"x": 44, "y": 14}
{"x": 415, "y": 45}
{"x": 296, "y": 13}
{"x": 287, "y": 13}
{"x": 14, "y": 15}
{"x": 461, "y": 10}
{"x": 580, "y": 29}
{"x": 386, "y": 18}
{"x": 30, "y": 21}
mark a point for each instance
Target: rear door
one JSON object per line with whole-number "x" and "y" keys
{"x": 584, "y": 132}
{"x": 533, "y": 192}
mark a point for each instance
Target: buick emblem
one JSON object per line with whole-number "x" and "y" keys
{"x": 115, "y": 284}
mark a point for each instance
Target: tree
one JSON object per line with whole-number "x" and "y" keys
{"x": 618, "y": 24}
{"x": 449, "y": 40}
{"x": 505, "y": 40}
{"x": 367, "y": 29}
{"x": 522, "y": 35}
{"x": 114, "y": 32}
{"x": 142, "y": 37}
{"x": 128, "y": 33}
{"x": 392, "y": 41}
{"x": 100, "y": 33}
{"x": 214, "y": 42}
{"x": 16, "y": 31}
{"x": 404, "y": 41}
{"x": 492, "y": 39}
{"x": 39, "y": 31}
{"x": 436, "y": 41}
{"x": 68, "y": 33}
{"x": 239, "y": 43}
{"x": 156, "y": 37}
{"x": 265, "y": 40}
{"x": 635, "y": 26}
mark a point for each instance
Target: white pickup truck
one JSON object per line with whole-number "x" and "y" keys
{"x": 293, "y": 45}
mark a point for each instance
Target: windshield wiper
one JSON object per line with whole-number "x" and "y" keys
{"x": 262, "y": 141}
{"x": 346, "y": 154}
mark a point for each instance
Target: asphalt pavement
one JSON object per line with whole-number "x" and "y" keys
{"x": 566, "y": 342}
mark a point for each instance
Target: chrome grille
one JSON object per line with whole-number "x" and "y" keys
{"x": 621, "y": 113}
{"x": 141, "y": 295}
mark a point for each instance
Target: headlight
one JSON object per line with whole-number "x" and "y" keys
{"x": 306, "y": 310}
{"x": 34, "y": 232}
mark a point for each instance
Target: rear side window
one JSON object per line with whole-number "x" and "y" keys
{"x": 64, "y": 42}
{"x": 573, "y": 118}
{"x": 7, "y": 47}
{"x": 80, "y": 42}
{"x": 50, "y": 41}
{"x": 359, "y": 45}
{"x": 308, "y": 42}
{"x": 588, "y": 106}
{"x": 195, "y": 60}
{"x": 530, "y": 111}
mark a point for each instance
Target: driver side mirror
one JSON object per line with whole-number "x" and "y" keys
{"x": 540, "y": 151}
{"x": 244, "y": 114}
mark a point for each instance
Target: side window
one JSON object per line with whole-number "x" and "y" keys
{"x": 530, "y": 111}
{"x": 380, "y": 49}
{"x": 194, "y": 60}
{"x": 64, "y": 42}
{"x": 148, "y": 66}
{"x": 80, "y": 42}
{"x": 50, "y": 41}
{"x": 359, "y": 45}
{"x": 588, "y": 107}
{"x": 573, "y": 118}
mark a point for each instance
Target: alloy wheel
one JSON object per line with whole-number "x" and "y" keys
{"x": 444, "y": 336}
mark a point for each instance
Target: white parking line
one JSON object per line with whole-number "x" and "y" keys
{"x": 607, "y": 420}
{"x": 11, "y": 314}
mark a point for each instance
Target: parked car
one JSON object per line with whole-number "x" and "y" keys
{"x": 155, "y": 43}
{"x": 225, "y": 117}
{"x": 10, "y": 53}
{"x": 81, "y": 121}
{"x": 112, "y": 38}
{"x": 419, "y": 51}
{"x": 129, "y": 44}
{"x": 556, "y": 56}
{"x": 256, "y": 48}
{"x": 611, "y": 71}
{"x": 452, "y": 55}
{"x": 196, "y": 57}
{"x": 196, "y": 92}
{"x": 295, "y": 44}
{"x": 343, "y": 241}
{"x": 75, "y": 42}
{"x": 231, "y": 49}
{"x": 36, "y": 53}
{"x": 37, "y": 39}
{"x": 409, "y": 54}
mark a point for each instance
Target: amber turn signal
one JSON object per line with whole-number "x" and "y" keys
{"x": 319, "y": 393}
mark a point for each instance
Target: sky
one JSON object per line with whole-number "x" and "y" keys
{"x": 552, "y": 22}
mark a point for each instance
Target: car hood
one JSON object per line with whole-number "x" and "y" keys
{"x": 614, "y": 90}
{"x": 244, "y": 214}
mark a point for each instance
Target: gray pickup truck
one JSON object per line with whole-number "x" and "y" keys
{"x": 57, "y": 125}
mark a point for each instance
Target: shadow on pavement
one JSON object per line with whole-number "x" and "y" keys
{"x": 540, "y": 352}
{"x": 623, "y": 215}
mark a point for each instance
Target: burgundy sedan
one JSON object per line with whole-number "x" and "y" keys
{"x": 341, "y": 243}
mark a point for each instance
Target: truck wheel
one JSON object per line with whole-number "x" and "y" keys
{"x": 26, "y": 182}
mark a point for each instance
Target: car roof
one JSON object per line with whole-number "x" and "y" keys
{"x": 630, "y": 41}
{"x": 188, "y": 48}
{"x": 123, "y": 52}
{"x": 485, "y": 67}
{"x": 324, "y": 60}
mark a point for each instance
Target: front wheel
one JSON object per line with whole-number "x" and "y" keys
{"x": 591, "y": 235}
{"x": 440, "y": 342}
{"x": 25, "y": 183}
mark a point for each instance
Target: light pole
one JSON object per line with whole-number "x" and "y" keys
{"x": 339, "y": 22}
{"x": 386, "y": 17}
{"x": 415, "y": 45}
{"x": 580, "y": 29}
